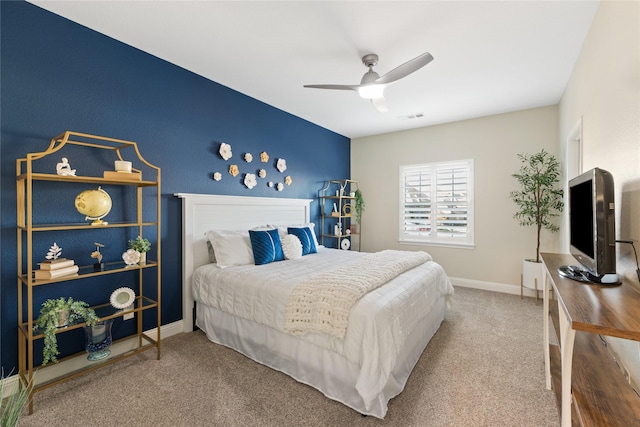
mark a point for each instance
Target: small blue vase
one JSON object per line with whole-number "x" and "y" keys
{"x": 98, "y": 340}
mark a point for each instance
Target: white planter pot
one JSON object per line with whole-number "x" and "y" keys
{"x": 532, "y": 274}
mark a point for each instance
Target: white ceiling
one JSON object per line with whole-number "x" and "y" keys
{"x": 490, "y": 56}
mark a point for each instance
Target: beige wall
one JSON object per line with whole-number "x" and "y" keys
{"x": 604, "y": 89}
{"x": 493, "y": 143}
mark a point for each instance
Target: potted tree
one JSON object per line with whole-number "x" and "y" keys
{"x": 12, "y": 405}
{"x": 539, "y": 201}
{"x": 141, "y": 245}
{"x": 58, "y": 313}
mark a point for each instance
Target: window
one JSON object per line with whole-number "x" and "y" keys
{"x": 436, "y": 203}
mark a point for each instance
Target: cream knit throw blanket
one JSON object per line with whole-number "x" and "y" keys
{"x": 322, "y": 303}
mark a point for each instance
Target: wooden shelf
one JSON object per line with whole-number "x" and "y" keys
{"x": 601, "y": 395}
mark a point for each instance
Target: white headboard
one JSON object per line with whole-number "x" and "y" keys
{"x": 204, "y": 212}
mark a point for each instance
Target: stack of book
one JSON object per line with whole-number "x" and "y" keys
{"x": 52, "y": 269}
{"x": 122, "y": 176}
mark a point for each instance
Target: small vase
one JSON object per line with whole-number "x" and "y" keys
{"x": 143, "y": 258}
{"x": 98, "y": 340}
{"x": 63, "y": 318}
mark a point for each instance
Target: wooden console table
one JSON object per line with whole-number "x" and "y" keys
{"x": 582, "y": 367}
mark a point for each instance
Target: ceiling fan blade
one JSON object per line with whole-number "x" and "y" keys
{"x": 380, "y": 104}
{"x": 405, "y": 69}
{"x": 338, "y": 87}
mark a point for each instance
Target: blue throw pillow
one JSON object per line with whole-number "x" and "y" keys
{"x": 266, "y": 246}
{"x": 306, "y": 238}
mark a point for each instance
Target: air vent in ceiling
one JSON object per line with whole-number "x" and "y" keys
{"x": 411, "y": 116}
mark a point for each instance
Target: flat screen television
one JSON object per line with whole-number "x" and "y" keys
{"x": 592, "y": 228}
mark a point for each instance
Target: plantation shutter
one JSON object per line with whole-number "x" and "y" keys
{"x": 437, "y": 203}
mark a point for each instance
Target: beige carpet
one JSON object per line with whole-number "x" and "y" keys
{"x": 484, "y": 367}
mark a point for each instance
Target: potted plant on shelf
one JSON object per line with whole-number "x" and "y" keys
{"x": 58, "y": 313}
{"x": 141, "y": 245}
{"x": 359, "y": 205}
{"x": 539, "y": 200}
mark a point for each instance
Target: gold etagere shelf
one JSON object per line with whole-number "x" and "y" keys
{"x": 337, "y": 206}
{"x": 27, "y": 232}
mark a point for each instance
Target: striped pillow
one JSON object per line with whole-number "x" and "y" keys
{"x": 306, "y": 238}
{"x": 266, "y": 246}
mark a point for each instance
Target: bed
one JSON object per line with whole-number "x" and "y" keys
{"x": 247, "y": 307}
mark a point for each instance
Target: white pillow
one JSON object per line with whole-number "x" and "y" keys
{"x": 291, "y": 246}
{"x": 282, "y": 230}
{"x": 231, "y": 247}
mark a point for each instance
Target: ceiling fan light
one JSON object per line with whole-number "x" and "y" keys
{"x": 380, "y": 104}
{"x": 371, "y": 91}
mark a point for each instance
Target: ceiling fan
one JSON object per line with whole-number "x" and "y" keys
{"x": 372, "y": 85}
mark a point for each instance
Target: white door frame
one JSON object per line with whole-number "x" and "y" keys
{"x": 571, "y": 167}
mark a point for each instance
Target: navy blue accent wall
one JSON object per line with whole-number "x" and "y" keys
{"x": 57, "y": 75}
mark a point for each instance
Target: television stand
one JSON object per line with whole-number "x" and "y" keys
{"x": 586, "y": 378}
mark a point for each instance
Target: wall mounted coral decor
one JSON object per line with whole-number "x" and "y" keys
{"x": 225, "y": 151}
{"x": 250, "y": 178}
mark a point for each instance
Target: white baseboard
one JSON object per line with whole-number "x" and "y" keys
{"x": 52, "y": 371}
{"x": 505, "y": 288}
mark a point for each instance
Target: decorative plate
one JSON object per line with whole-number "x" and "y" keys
{"x": 345, "y": 244}
{"x": 122, "y": 298}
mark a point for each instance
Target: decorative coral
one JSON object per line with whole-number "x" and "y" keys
{"x": 279, "y": 186}
{"x": 96, "y": 254}
{"x": 233, "y": 170}
{"x": 288, "y": 180}
{"x": 54, "y": 251}
{"x": 217, "y": 176}
{"x": 250, "y": 180}
{"x": 225, "y": 151}
{"x": 248, "y": 157}
{"x": 270, "y": 184}
{"x": 262, "y": 173}
{"x": 264, "y": 157}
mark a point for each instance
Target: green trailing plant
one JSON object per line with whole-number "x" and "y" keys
{"x": 539, "y": 199}
{"x": 140, "y": 244}
{"x": 359, "y": 205}
{"x": 11, "y": 407}
{"x": 57, "y": 313}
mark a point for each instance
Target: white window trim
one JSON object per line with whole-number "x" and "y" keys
{"x": 466, "y": 242}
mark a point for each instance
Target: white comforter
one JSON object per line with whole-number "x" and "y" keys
{"x": 378, "y": 323}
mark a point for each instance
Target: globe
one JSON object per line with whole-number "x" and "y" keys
{"x": 94, "y": 204}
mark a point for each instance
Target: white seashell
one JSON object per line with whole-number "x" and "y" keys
{"x": 281, "y": 165}
{"x": 131, "y": 257}
{"x": 225, "y": 151}
{"x": 250, "y": 180}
